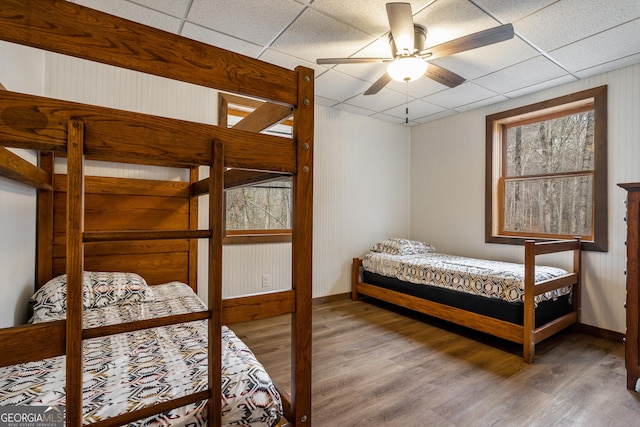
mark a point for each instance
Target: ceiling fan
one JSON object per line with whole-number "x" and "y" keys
{"x": 410, "y": 58}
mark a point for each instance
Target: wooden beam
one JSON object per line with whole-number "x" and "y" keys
{"x": 253, "y": 307}
{"x": 264, "y": 117}
{"x": 45, "y": 340}
{"x": 70, "y": 29}
{"x": 16, "y": 168}
{"x": 236, "y": 178}
{"x": 41, "y": 123}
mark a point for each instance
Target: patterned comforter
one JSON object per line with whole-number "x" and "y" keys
{"x": 492, "y": 279}
{"x": 129, "y": 371}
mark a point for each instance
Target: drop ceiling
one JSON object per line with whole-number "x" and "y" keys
{"x": 555, "y": 42}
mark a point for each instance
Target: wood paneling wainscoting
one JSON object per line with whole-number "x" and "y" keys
{"x": 377, "y": 365}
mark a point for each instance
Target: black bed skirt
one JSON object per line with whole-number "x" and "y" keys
{"x": 498, "y": 309}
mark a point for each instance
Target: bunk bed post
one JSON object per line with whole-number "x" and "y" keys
{"x": 529, "y": 324}
{"x": 355, "y": 278}
{"x": 577, "y": 269}
{"x": 214, "y": 294}
{"x": 75, "y": 268}
{"x": 301, "y": 249}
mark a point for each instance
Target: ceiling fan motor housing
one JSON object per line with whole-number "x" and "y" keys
{"x": 419, "y": 36}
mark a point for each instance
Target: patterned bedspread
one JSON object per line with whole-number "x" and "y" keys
{"x": 129, "y": 371}
{"x": 492, "y": 279}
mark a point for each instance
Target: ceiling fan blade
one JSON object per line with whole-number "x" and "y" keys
{"x": 351, "y": 60}
{"x": 401, "y": 23}
{"x": 443, "y": 76}
{"x": 379, "y": 84}
{"x": 471, "y": 41}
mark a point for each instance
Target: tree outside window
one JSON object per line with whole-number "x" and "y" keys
{"x": 546, "y": 166}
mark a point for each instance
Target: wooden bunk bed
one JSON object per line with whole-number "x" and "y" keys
{"x": 484, "y": 314}
{"x": 88, "y": 223}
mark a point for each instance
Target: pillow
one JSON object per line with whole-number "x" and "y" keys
{"x": 99, "y": 289}
{"x": 395, "y": 246}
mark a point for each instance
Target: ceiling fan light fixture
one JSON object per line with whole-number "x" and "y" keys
{"x": 407, "y": 69}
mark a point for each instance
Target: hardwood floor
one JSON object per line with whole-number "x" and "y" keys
{"x": 375, "y": 365}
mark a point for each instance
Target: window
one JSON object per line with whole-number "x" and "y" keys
{"x": 258, "y": 212}
{"x": 547, "y": 171}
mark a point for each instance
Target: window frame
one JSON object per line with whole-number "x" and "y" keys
{"x": 243, "y": 237}
{"x": 495, "y": 164}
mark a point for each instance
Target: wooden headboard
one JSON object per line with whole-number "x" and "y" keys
{"x": 117, "y": 204}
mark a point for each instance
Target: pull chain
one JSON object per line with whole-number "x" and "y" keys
{"x": 406, "y": 108}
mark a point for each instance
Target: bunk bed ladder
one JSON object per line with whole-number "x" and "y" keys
{"x": 75, "y": 239}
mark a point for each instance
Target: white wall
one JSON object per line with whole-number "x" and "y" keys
{"x": 21, "y": 70}
{"x": 361, "y": 192}
{"x": 447, "y": 189}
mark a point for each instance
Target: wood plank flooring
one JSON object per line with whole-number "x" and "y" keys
{"x": 376, "y": 365}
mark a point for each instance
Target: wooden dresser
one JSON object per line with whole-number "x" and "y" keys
{"x": 632, "y": 338}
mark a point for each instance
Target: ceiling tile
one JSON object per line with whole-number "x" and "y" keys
{"x": 319, "y": 100}
{"x": 609, "y": 66}
{"x": 272, "y": 56}
{"x": 417, "y": 108}
{"x": 254, "y": 21}
{"x": 369, "y": 16}
{"x": 437, "y": 116}
{"x": 214, "y": 38}
{"x": 177, "y": 8}
{"x": 134, "y": 12}
{"x": 568, "y": 21}
{"x": 464, "y": 94}
{"x": 314, "y": 35}
{"x": 481, "y": 103}
{"x": 335, "y": 85}
{"x": 381, "y": 101}
{"x": 388, "y": 118}
{"x": 601, "y": 48}
{"x": 512, "y": 10}
{"x": 524, "y": 74}
{"x": 450, "y": 19}
{"x": 488, "y": 59}
{"x": 353, "y": 109}
{"x": 546, "y": 84}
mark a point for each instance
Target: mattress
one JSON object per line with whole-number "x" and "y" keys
{"x": 490, "y": 279}
{"x": 129, "y": 371}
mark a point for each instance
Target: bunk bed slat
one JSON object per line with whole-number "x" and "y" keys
{"x": 144, "y": 324}
{"x": 64, "y": 27}
{"x": 153, "y": 410}
{"x": 114, "y": 236}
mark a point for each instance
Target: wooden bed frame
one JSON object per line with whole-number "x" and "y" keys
{"x": 150, "y": 227}
{"x": 527, "y": 334}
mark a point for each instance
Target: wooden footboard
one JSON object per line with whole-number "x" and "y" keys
{"x": 527, "y": 334}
